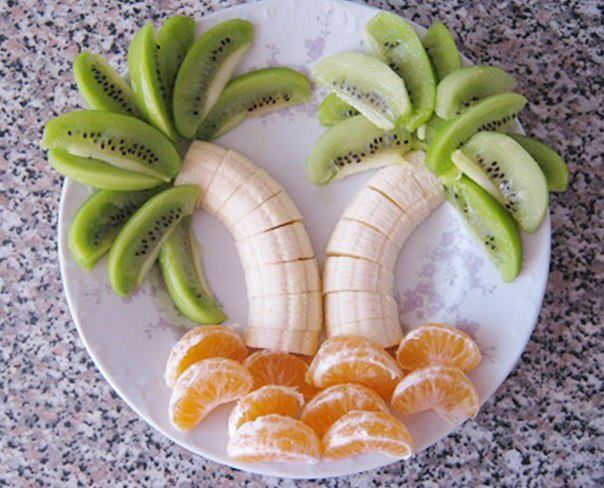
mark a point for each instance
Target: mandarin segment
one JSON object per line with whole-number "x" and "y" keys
{"x": 279, "y": 368}
{"x": 438, "y": 344}
{"x": 360, "y": 432}
{"x": 282, "y": 400}
{"x": 203, "y": 342}
{"x": 275, "y": 438}
{"x": 444, "y": 389}
{"x": 204, "y": 386}
{"x": 349, "y": 359}
{"x": 334, "y": 402}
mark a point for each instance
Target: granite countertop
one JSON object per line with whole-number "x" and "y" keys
{"x": 60, "y": 422}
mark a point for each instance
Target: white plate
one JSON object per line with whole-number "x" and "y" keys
{"x": 441, "y": 274}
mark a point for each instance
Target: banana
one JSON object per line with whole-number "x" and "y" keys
{"x": 358, "y": 276}
{"x": 281, "y": 271}
{"x": 290, "y": 278}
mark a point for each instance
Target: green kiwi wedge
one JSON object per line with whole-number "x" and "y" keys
{"x": 253, "y": 94}
{"x": 441, "y": 49}
{"x": 494, "y": 228}
{"x": 465, "y": 86}
{"x": 99, "y": 220}
{"x": 334, "y": 110}
{"x": 367, "y": 84}
{"x": 137, "y": 245}
{"x": 122, "y": 141}
{"x": 99, "y": 174}
{"x": 102, "y": 87}
{"x": 206, "y": 70}
{"x": 553, "y": 166}
{"x": 173, "y": 41}
{"x": 181, "y": 268}
{"x": 502, "y": 167}
{"x": 355, "y": 145}
{"x": 151, "y": 94}
{"x": 492, "y": 113}
{"x": 393, "y": 40}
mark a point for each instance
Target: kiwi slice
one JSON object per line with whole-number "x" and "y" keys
{"x": 495, "y": 228}
{"x": 102, "y": 87}
{"x": 367, "y": 84}
{"x": 465, "y": 86}
{"x": 441, "y": 49}
{"x": 496, "y": 161}
{"x": 181, "y": 268}
{"x": 151, "y": 94}
{"x": 393, "y": 40}
{"x": 334, "y": 110}
{"x": 492, "y": 113}
{"x": 253, "y": 94}
{"x": 206, "y": 70}
{"x": 173, "y": 41}
{"x": 553, "y": 166}
{"x": 99, "y": 220}
{"x": 122, "y": 141}
{"x": 99, "y": 174}
{"x": 355, "y": 145}
{"x": 138, "y": 243}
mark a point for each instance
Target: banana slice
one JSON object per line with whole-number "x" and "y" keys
{"x": 283, "y": 279}
{"x": 374, "y": 209}
{"x": 303, "y": 311}
{"x": 353, "y": 306}
{"x": 298, "y": 341}
{"x": 344, "y": 273}
{"x": 287, "y": 243}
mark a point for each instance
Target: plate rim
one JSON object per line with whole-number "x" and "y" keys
{"x": 61, "y": 249}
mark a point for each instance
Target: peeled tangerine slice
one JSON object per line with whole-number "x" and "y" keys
{"x": 441, "y": 49}
{"x": 360, "y": 432}
{"x": 495, "y": 228}
{"x": 206, "y": 69}
{"x": 182, "y": 270}
{"x": 394, "y": 40}
{"x": 337, "y": 154}
{"x": 201, "y": 343}
{"x": 269, "y": 399}
{"x": 553, "y": 166}
{"x": 204, "y": 386}
{"x": 102, "y": 87}
{"x": 491, "y": 113}
{"x": 349, "y": 359}
{"x": 253, "y": 94}
{"x": 122, "y": 141}
{"x": 336, "y": 401}
{"x": 99, "y": 221}
{"x": 438, "y": 344}
{"x": 275, "y": 438}
{"x": 503, "y": 168}
{"x": 367, "y": 84}
{"x": 146, "y": 82}
{"x": 443, "y": 389}
{"x": 279, "y": 368}
{"x": 466, "y": 86}
{"x": 136, "y": 247}
{"x": 334, "y": 110}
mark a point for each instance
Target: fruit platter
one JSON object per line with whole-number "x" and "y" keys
{"x": 303, "y": 239}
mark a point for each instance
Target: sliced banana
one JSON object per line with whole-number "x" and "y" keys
{"x": 373, "y": 208}
{"x": 352, "y": 306}
{"x": 302, "y": 311}
{"x": 298, "y": 341}
{"x": 344, "y": 273}
{"x": 278, "y": 279}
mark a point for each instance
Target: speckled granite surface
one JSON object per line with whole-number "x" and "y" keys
{"x": 60, "y": 422}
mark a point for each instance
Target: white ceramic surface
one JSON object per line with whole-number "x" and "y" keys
{"x": 441, "y": 275}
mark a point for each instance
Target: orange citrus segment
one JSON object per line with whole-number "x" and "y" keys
{"x": 359, "y": 432}
{"x": 438, "y": 344}
{"x": 330, "y": 404}
{"x": 279, "y": 368}
{"x": 443, "y": 389}
{"x": 208, "y": 341}
{"x": 348, "y": 359}
{"x": 283, "y": 400}
{"x": 275, "y": 438}
{"x": 204, "y": 386}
